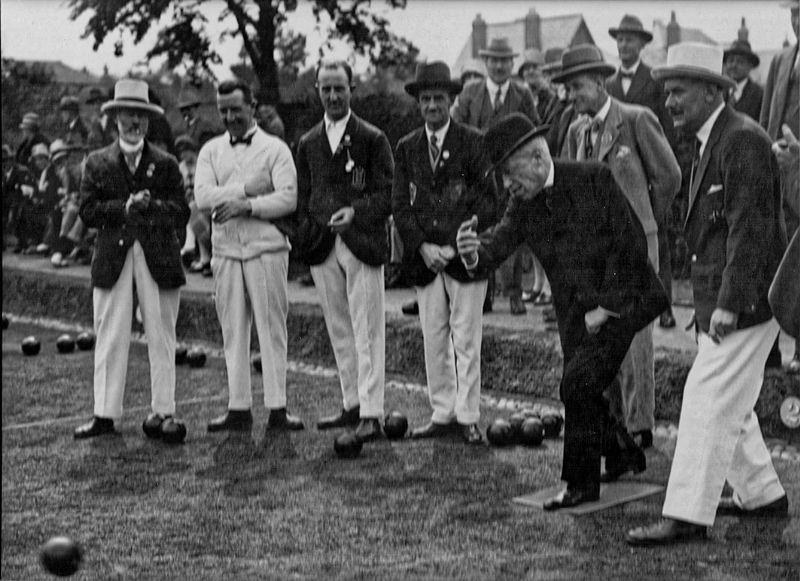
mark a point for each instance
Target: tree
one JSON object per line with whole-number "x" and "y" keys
{"x": 262, "y": 26}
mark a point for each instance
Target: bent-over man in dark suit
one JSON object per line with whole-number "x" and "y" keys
{"x": 132, "y": 192}
{"x": 603, "y": 292}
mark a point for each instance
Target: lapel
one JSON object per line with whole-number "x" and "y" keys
{"x": 421, "y": 155}
{"x": 614, "y": 86}
{"x": 610, "y": 131}
{"x": 713, "y": 140}
{"x": 639, "y": 81}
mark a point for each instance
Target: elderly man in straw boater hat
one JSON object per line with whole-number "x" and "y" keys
{"x": 734, "y": 230}
{"x": 604, "y": 292}
{"x": 438, "y": 183}
{"x": 132, "y": 192}
{"x": 738, "y": 61}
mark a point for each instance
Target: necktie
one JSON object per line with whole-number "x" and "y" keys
{"x": 434, "y": 151}
{"x": 591, "y": 135}
{"x": 245, "y": 140}
{"x": 497, "y": 102}
{"x": 625, "y": 75}
{"x": 130, "y": 160}
{"x": 695, "y": 163}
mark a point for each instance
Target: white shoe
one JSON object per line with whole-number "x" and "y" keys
{"x": 56, "y": 259}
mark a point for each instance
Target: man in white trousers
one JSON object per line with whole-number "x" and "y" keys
{"x": 734, "y": 230}
{"x": 132, "y": 192}
{"x": 247, "y": 179}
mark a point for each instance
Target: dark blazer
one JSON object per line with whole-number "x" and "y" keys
{"x": 645, "y": 91}
{"x": 781, "y": 102}
{"x": 474, "y": 105}
{"x": 430, "y": 206}
{"x": 750, "y": 101}
{"x": 106, "y": 184}
{"x": 325, "y": 185}
{"x": 591, "y": 246}
{"x": 733, "y": 225}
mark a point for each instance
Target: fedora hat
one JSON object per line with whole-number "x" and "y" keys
{"x": 552, "y": 60}
{"x": 633, "y": 25}
{"x": 29, "y": 120}
{"x": 435, "y": 75}
{"x": 742, "y": 48}
{"x": 531, "y": 57}
{"x": 583, "y": 58}
{"x": 507, "y": 135}
{"x": 131, "y": 94}
{"x": 96, "y": 95}
{"x": 189, "y": 99}
{"x": 499, "y": 48}
{"x": 694, "y": 60}
{"x": 69, "y": 103}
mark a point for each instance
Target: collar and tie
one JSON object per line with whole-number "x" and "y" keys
{"x": 695, "y": 162}
{"x": 244, "y": 140}
{"x": 130, "y": 160}
{"x": 433, "y": 147}
{"x": 626, "y": 74}
{"x": 498, "y": 102}
{"x": 590, "y": 136}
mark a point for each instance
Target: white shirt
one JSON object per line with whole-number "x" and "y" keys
{"x": 626, "y": 82}
{"x": 335, "y": 130}
{"x": 600, "y": 118}
{"x": 440, "y": 134}
{"x": 129, "y": 149}
{"x": 705, "y": 130}
{"x": 492, "y": 87}
{"x": 737, "y": 92}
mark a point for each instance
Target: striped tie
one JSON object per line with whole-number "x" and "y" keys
{"x": 497, "y": 101}
{"x": 434, "y": 150}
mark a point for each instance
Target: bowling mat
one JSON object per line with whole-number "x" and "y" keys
{"x": 610, "y": 495}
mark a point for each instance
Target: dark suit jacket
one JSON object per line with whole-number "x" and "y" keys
{"x": 733, "y": 226}
{"x": 325, "y": 185}
{"x": 645, "y": 91}
{"x": 750, "y": 101}
{"x": 781, "y": 102}
{"x": 76, "y": 134}
{"x": 591, "y": 246}
{"x": 474, "y": 105}
{"x": 430, "y": 206}
{"x": 106, "y": 184}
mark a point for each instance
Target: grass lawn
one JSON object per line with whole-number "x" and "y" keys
{"x": 284, "y": 507}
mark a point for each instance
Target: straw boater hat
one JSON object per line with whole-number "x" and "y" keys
{"x": 507, "y": 135}
{"x": 59, "y": 149}
{"x": 498, "y": 48}
{"x": 742, "y": 47}
{"x": 583, "y": 58}
{"x": 131, "y": 94}
{"x": 435, "y": 75}
{"x": 633, "y": 25}
{"x": 29, "y": 121}
{"x": 694, "y": 60}
{"x": 531, "y": 57}
{"x": 40, "y": 149}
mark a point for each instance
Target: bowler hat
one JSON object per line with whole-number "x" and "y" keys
{"x": 694, "y": 60}
{"x": 498, "y": 48}
{"x": 633, "y": 25}
{"x": 40, "y": 149}
{"x": 29, "y": 120}
{"x": 583, "y": 58}
{"x": 69, "y": 103}
{"x": 131, "y": 94}
{"x": 531, "y": 57}
{"x": 435, "y": 75}
{"x": 189, "y": 99}
{"x": 742, "y": 47}
{"x": 507, "y": 135}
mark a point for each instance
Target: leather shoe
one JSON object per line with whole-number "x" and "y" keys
{"x": 432, "y": 430}
{"x": 232, "y": 421}
{"x": 517, "y": 306}
{"x": 572, "y": 496}
{"x": 343, "y": 419}
{"x": 472, "y": 435}
{"x": 369, "y": 429}
{"x": 96, "y": 427}
{"x": 280, "y": 419}
{"x": 666, "y": 320}
{"x": 411, "y": 308}
{"x": 630, "y": 460}
{"x": 665, "y": 532}
{"x": 643, "y": 438}
{"x": 776, "y": 508}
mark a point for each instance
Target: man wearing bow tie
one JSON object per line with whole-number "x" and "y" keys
{"x": 248, "y": 181}
{"x": 345, "y": 170}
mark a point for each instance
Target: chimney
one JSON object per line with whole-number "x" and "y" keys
{"x": 673, "y": 31}
{"x": 533, "y": 30}
{"x": 479, "y": 35}
{"x": 743, "y": 32}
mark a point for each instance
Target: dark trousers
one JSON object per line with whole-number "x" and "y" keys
{"x": 590, "y": 430}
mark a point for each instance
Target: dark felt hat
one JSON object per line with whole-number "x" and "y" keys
{"x": 435, "y": 75}
{"x": 507, "y": 135}
{"x": 742, "y": 47}
{"x": 498, "y": 48}
{"x": 631, "y": 24}
{"x": 583, "y": 58}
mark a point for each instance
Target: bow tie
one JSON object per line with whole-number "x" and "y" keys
{"x": 247, "y": 140}
{"x": 626, "y": 75}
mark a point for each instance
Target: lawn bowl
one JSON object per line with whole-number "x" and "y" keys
{"x": 516, "y": 424}
{"x": 65, "y": 343}
{"x": 180, "y": 354}
{"x": 173, "y": 431}
{"x": 395, "y": 425}
{"x": 532, "y": 432}
{"x": 61, "y": 556}
{"x": 31, "y": 346}
{"x": 196, "y": 358}
{"x": 85, "y": 341}
{"x": 552, "y": 425}
{"x": 347, "y": 445}
{"x": 500, "y": 433}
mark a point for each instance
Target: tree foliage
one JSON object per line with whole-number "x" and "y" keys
{"x": 261, "y": 25}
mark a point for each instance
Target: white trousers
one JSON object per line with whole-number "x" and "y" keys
{"x": 113, "y": 311}
{"x": 353, "y": 303}
{"x": 248, "y": 290}
{"x": 719, "y": 437}
{"x": 451, "y": 313}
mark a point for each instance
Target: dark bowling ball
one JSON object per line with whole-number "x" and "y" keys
{"x": 516, "y": 423}
{"x": 180, "y": 354}
{"x": 31, "y": 346}
{"x": 552, "y": 425}
{"x": 61, "y": 556}
{"x": 151, "y": 426}
{"x": 395, "y": 425}
{"x": 532, "y": 432}
{"x": 500, "y": 433}
{"x": 196, "y": 358}
{"x": 347, "y": 445}
{"x": 5, "y": 322}
{"x": 173, "y": 431}
{"x": 85, "y": 341}
{"x": 257, "y": 363}
{"x": 65, "y": 344}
